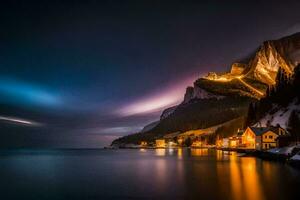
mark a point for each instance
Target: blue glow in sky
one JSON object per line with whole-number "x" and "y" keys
{"x": 27, "y": 94}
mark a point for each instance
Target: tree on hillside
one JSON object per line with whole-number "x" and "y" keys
{"x": 281, "y": 93}
{"x": 251, "y": 117}
{"x": 282, "y": 90}
{"x": 294, "y": 126}
{"x": 296, "y": 81}
{"x": 188, "y": 142}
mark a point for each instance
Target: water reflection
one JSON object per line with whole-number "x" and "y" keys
{"x": 244, "y": 179}
{"x": 143, "y": 150}
{"x": 199, "y": 152}
{"x": 146, "y": 174}
{"x": 179, "y": 153}
{"x": 222, "y": 155}
{"x": 160, "y": 152}
{"x": 161, "y": 174}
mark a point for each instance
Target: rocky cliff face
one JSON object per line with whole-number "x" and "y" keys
{"x": 273, "y": 54}
{"x": 197, "y": 92}
{"x": 167, "y": 112}
{"x": 238, "y": 68}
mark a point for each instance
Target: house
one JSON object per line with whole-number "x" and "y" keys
{"x": 225, "y": 143}
{"x": 171, "y": 139}
{"x": 270, "y": 136}
{"x": 160, "y": 143}
{"x": 196, "y": 144}
{"x": 172, "y": 144}
{"x": 219, "y": 143}
{"x": 143, "y": 144}
{"x": 250, "y": 138}
{"x": 234, "y": 142}
{"x": 261, "y": 138}
{"x": 180, "y": 141}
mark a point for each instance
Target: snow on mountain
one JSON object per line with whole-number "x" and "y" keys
{"x": 279, "y": 115}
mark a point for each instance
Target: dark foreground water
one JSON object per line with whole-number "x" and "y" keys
{"x": 143, "y": 174}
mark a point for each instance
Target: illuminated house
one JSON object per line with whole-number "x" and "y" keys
{"x": 144, "y": 143}
{"x": 261, "y": 138}
{"x": 251, "y": 138}
{"x": 225, "y": 143}
{"x": 172, "y": 144}
{"x": 171, "y": 139}
{"x": 160, "y": 143}
{"x": 180, "y": 141}
{"x": 219, "y": 143}
{"x": 196, "y": 144}
{"x": 269, "y": 138}
{"x": 234, "y": 142}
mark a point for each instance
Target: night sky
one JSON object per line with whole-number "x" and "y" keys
{"x": 76, "y": 74}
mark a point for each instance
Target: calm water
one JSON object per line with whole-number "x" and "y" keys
{"x": 143, "y": 174}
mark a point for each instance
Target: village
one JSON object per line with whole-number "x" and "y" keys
{"x": 267, "y": 142}
{"x": 253, "y": 138}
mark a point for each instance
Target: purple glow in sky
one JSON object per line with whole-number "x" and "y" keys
{"x": 158, "y": 101}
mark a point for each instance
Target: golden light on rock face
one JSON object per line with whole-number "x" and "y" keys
{"x": 231, "y": 77}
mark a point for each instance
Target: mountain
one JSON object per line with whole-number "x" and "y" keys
{"x": 284, "y": 53}
{"x": 149, "y": 127}
{"x": 281, "y": 105}
{"x": 221, "y": 97}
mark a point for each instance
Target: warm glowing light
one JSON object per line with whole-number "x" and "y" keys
{"x": 142, "y": 150}
{"x": 160, "y": 143}
{"x": 248, "y": 139}
{"x": 180, "y": 141}
{"x": 172, "y": 144}
{"x": 196, "y": 144}
{"x": 160, "y": 152}
{"x": 179, "y": 153}
{"x": 246, "y": 168}
{"x": 233, "y": 143}
{"x": 240, "y": 78}
{"x": 144, "y": 143}
{"x": 199, "y": 152}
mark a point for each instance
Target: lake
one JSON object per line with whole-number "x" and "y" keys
{"x": 143, "y": 174}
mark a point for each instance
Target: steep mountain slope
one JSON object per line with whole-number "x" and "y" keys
{"x": 217, "y": 98}
{"x": 279, "y": 115}
{"x": 280, "y": 103}
{"x": 203, "y": 113}
{"x": 273, "y": 54}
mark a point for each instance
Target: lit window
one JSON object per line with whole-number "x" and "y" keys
{"x": 270, "y": 136}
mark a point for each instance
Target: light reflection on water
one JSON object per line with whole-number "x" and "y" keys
{"x": 199, "y": 152}
{"x": 144, "y": 174}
